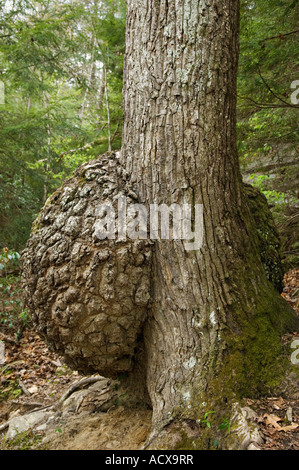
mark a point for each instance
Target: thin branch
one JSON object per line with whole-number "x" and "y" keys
{"x": 265, "y": 105}
{"x": 280, "y": 36}
{"x": 115, "y": 133}
{"x": 6, "y": 35}
{"x": 108, "y": 110}
{"x": 48, "y": 59}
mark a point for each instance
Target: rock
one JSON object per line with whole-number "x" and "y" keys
{"x": 23, "y": 423}
{"x": 88, "y": 298}
{"x": 62, "y": 370}
{"x": 254, "y": 446}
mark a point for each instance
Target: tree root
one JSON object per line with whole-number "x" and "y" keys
{"x": 55, "y": 406}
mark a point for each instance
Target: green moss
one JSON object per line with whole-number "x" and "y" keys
{"x": 198, "y": 443}
{"x": 23, "y": 441}
{"x": 268, "y": 237}
{"x": 36, "y": 224}
{"x": 256, "y": 362}
{"x": 10, "y": 389}
{"x": 80, "y": 181}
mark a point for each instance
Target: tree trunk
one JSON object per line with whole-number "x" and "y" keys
{"x": 213, "y": 332}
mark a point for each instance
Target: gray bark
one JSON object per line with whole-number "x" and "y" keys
{"x": 179, "y": 144}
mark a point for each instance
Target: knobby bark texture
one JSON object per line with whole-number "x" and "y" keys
{"x": 203, "y": 326}
{"x": 87, "y": 297}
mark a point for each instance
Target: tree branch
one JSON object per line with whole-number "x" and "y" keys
{"x": 85, "y": 147}
{"x": 280, "y": 36}
{"x": 6, "y": 35}
{"x": 265, "y": 105}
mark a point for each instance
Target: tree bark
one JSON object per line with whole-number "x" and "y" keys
{"x": 214, "y": 312}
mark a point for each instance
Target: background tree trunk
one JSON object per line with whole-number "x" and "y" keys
{"x": 213, "y": 332}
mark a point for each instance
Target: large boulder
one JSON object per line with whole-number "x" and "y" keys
{"x": 88, "y": 298}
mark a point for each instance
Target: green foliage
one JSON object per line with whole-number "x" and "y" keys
{"x": 12, "y": 312}
{"x": 206, "y": 420}
{"x": 225, "y": 425}
{"x": 61, "y": 64}
{"x": 284, "y": 208}
{"x": 267, "y": 118}
{"x": 262, "y": 182}
{"x": 9, "y": 259}
{"x": 10, "y": 390}
{"x": 268, "y": 66}
{"x": 24, "y": 441}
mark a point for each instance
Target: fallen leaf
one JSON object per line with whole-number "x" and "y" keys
{"x": 291, "y": 427}
{"x": 272, "y": 421}
{"x": 278, "y": 403}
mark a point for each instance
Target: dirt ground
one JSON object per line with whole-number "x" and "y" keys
{"x": 33, "y": 377}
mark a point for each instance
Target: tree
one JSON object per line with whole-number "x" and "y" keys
{"x": 210, "y": 333}
{"x": 214, "y": 315}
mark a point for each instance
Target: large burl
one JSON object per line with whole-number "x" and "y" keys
{"x": 88, "y": 298}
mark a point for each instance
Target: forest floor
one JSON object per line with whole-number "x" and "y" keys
{"x": 32, "y": 377}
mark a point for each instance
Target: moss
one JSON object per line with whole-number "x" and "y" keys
{"x": 203, "y": 442}
{"x": 255, "y": 361}
{"x": 268, "y": 237}
{"x": 80, "y": 181}
{"x": 36, "y": 224}
{"x": 23, "y": 441}
{"x": 10, "y": 389}
{"x": 183, "y": 434}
